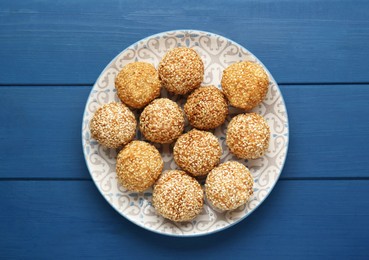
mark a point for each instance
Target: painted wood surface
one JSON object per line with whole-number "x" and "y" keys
{"x": 69, "y": 219}
{"x": 52, "y": 52}
{"x": 41, "y": 131}
{"x": 70, "y": 42}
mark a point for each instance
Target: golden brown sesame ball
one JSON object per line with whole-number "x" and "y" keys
{"x": 138, "y": 84}
{"x": 245, "y": 84}
{"x": 197, "y": 152}
{"x": 181, "y": 70}
{"x": 229, "y": 185}
{"x": 177, "y": 196}
{"x": 248, "y": 136}
{"x": 139, "y": 165}
{"x": 162, "y": 121}
{"x": 113, "y": 125}
{"x": 206, "y": 108}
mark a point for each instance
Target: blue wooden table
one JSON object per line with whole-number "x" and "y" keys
{"x": 51, "y": 52}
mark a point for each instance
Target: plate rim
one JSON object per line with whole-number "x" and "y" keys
{"x": 230, "y": 225}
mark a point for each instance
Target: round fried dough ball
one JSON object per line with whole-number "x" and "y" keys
{"x": 245, "y": 84}
{"x": 229, "y": 185}
{"x": 177, "y": 196}
{"x": 138, "y": 84}
{"x": 206, "y": 108}
{"x": 248, "y": 136}
{"x": 139, "y": 165}
{"x": 113, "y": 125}
{"x": 197, "y": 152}
{"x": 162, "y": 121}
{"x": 181, "y": 70}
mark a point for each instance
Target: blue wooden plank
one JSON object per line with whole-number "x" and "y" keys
{"x": 40, "y": 131}
{"x": 300, "y": 219}
{"x": 70, "y": 42}
{"x": 329, "y": 129}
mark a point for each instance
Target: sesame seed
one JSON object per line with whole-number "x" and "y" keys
{"x": 206, "y": 108}
{"x": 181, "y": 70}
{"x": 197, "y": 152}
{"x": 138, "y": 84}
{"x": 245, "y": 84}
{"x": 178, "y": 196}
{"x": 229, "y": 186}
{"x": 113, "y": 125}
{"x": 139, "y": 165}
{"x": 162, "y": 121}
{"x": 248, "y": 136}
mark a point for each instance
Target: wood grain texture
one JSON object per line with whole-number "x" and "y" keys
{"x": 70, "y": 42}
{"x": 300, "y": 219}
{"x": 329, "y": 129}
{"x": 40, "y": 132}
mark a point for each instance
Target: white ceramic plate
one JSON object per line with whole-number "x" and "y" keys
{"x": 217, "y": 53}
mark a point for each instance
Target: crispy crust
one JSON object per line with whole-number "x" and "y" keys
{"x": 229, "y": 185}
{"x": 138, "y": 84}
{"x": 139, "y": 165}
{"x": 178, "y": 196}
{"x": 245, "y": 84}
{"x": 162, "y": 121}
{"x": 197, "y": 152}
{"x": 181, "y": 70}
{"x": 113, "y": 125}
{"x": 248, "y": 136}
{"x": 206, "y": 108}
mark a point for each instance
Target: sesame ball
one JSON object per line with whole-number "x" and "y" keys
{"x": 206, "y": 108}
{"x": 113, "y": 125}
{"x": 197, "y": 152}
{"x": 177, "y": 196}
{"x": 245, "y": 84}
{"x": 248, "y": 136}
{"x": 138, "y": 84}
{"x": 229, "y": 186}
{"x": 162, "y": 121}
{"x": 139, "y": 165}
{"x": 181, "y": 70}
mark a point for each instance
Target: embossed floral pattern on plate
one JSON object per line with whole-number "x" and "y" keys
{"x": 217, "y": 53}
